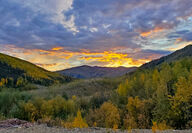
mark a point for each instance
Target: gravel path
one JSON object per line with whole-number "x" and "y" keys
{"x": 45, "y": 129}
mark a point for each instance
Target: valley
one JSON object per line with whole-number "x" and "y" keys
{"x": 148, "y": 97}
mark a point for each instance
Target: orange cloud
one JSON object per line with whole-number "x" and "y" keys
{"x": 178, "y": 40}
{"x": 112, "y": 59}
{"x": 57, "y": 59}
{"x": 149, "y": 33}
{"x": 57, "y": 48}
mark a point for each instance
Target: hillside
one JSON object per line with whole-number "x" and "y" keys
{"x": 15, "y": 71}
{"x": 167, "y": 88}
{"x": 85, "y": 72}
{"x": 185, "y": 52}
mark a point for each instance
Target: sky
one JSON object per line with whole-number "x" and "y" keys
{"x": 59, "y": 34}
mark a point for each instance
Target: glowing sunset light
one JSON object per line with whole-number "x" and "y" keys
{"x": 151, "y": 32}
{"x": 55, "y": 60}
{"x": 57, "y": 48}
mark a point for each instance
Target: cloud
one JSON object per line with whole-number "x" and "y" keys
{"x": 187, "y": 36}
{"x": 59, "y": 58}
{"x": 93, "y": 29}
{"x": 62, "y": 30}
{"x": 91, "y": 22}
{"x": 178, "y": 40}
{"x": 57, "y": 48}
{"x": 151, "y": 32}
{"x": 55, "y": 9}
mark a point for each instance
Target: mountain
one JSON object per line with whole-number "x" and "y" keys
{"x": 182, "y": 53}
{"x": 85, "y": 71}
{"x": 96, "y": 72}
{"x": 16, "y": 71}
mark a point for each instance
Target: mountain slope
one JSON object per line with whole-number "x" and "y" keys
{"x": 85, "y": 72}
{"x": 15, "y": 69}
{"x": 185, "y": 52}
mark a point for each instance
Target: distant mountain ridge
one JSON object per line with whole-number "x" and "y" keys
{"x": 96, "y": 72}
{"x": 14, "y": 71}
{"x": 86, "y": 71}
{"x": 182, "y": 53}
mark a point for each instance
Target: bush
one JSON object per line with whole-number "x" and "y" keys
{"x": 10, "y": 100}
{"x": 106, "y": 116}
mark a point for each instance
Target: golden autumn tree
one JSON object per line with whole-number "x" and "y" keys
{"x": 106, "y": 116}
{"x": 137, "y": 116}
{"x": 122, "y": 90}
{"x": 111, "y": 115}
{"x": 79, "y": 122}
{"x": 181, "y": 103}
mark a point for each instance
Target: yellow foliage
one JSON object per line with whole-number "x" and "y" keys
{"x": 154, "y": 127}
{"x": 159, "y": 126}
{"x": 184, "y": 89}
{"x": 47, "y": 109}
{"x": 79, "y": 122}
{"x": 3, "y": 82}
{"x": 163, "y": 126}
{"x": 45, "y": 120}
{"x": 106, "y": 116}
{"x": 74, "y": 98}
{"x": 129, "y": 130}
{"x": 95, "y": 124}
{"x": 133, "y": 103}
{"x": 67, "y": 124}
{"x": 111, "y": 114}
{"x": 31, "y": 111}
{"x": 135, "y": 117}
{"x": 122, "y": 90}
{"x": 115, "y": 127}
{"x": 130, "y": 122}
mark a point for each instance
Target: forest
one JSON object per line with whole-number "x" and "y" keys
{"x": 157, "y": 98}
{"x": 15, "y": 73}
